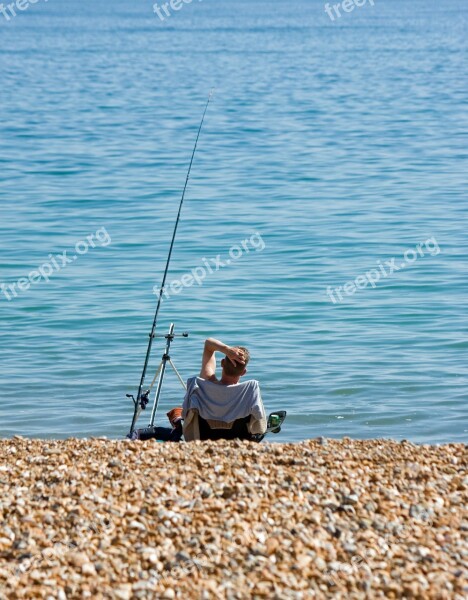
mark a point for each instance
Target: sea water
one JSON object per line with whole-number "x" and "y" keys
{"x": 324, "y": 225}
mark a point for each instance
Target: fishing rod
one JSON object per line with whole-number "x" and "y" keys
{"x": 142, "y": 399}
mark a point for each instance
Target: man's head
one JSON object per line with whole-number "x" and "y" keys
{"x": 239, "y": 369}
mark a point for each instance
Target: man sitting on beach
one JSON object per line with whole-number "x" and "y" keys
{"x": 221, "y": 408}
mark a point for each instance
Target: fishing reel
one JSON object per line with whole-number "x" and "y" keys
{"x": 144, "y": 399}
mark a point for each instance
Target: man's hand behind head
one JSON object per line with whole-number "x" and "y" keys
{"x": 235, "y": 363}
{"x": 237, "y": 355}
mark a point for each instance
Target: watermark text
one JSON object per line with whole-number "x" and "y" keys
{"x": 385, "y": 269}
{"x": 54, "y": 264}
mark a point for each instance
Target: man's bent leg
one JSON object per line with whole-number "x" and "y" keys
{"x": 163, "y": 434}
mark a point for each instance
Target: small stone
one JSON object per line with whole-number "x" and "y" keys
{"x": 206, "y": 491}
{"x": 423, "y": 552}
{"x": 272, "y": 545}
{"x": 152, "y": 558}
{"x": 88, "y": 569}
{"x": 36, "y": 576}
{"x": 228, "y": 491}
{"x": 77, "y": 559}
{"x": 5, "y": 542}
{"x": 123, "y": 592}
{"x": 303, "y": 561}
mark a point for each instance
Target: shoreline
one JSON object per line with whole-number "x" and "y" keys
{"x": 324, "y": 518}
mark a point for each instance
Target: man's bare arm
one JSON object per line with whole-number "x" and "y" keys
{"x": 208, "y": 369}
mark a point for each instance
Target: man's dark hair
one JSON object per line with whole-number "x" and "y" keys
{"x": 236, "y": 371}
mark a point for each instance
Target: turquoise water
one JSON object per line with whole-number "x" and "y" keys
{"x": 328, "y": 147}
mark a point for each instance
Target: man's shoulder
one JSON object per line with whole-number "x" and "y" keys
{"x": 253, "y": 382}
{"x": 196, "y": 378}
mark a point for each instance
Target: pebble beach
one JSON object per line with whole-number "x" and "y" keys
{"x": 324, "y": 518}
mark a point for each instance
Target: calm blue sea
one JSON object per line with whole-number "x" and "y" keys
{"x": 334, "y": 150}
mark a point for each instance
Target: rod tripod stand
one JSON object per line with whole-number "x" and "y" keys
{"x": 161, "y": 371}
{"x": 142, "y": 401}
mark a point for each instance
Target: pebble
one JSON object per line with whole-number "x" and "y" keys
{"x": 231, "y": 520}
{"x": 88, "y": 569}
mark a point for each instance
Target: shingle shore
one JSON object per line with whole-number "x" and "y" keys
{"x": 320, "y": 519}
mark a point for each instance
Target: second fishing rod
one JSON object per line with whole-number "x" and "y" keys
{"x": 142, "y": 398}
